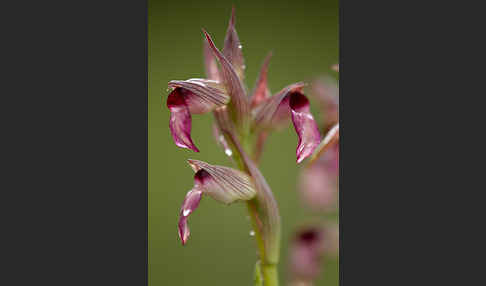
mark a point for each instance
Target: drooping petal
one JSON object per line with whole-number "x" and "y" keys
{"x": 233, "y": 84}
{"x": 202, "y": 95}
{"x": 192, "y": 96}
{"x": 191, "y": 202}
{"x": 225, "y": 185}
{"x": 232, "y": 47}
{"x": 210, "y": 64}
{"x": 304, "y": 125}
{"x": 180, "y": 120}
{"x": 261, "y": 91}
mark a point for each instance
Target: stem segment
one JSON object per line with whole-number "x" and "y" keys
{"x": 263, "y": 208}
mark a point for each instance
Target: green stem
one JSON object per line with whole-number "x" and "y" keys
{"x": 262, "y": 209}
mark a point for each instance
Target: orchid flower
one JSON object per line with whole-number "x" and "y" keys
{"x": 308, "y": 247}
{"x": 252, "y": 114}
{"x": 242, "y": 123}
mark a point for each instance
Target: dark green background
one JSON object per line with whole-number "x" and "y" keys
{"x": 303, "y": 36}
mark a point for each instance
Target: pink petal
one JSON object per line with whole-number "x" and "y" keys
{"x": 180, "y": 120}
{"x": 264, "y": 113}
{"x": 225, "y": 185}
{"x": 304, "y": 125}
{"x": 202, "y": 95}
{"x": 233, "y": 84}
{"x": 191, "y": 202}
{"x": 210, "y": 64}
{"x": 232, "y": 47}
{"x": 261, "y": 91}
{"x": 188, "y": 97}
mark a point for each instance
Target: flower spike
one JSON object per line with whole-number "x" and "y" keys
{"x": 225, "y": 185}
{"x": 193, "y": 96}
{"x": 232, "y": 47}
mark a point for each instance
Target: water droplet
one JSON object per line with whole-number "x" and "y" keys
{"x": 252, "y": 233}
{"x": 228, "y": 152}
{"x": 186, "y": 212}
{"x": 240, "y": 46}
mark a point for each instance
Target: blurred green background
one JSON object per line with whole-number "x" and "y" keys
{"x": 303, "y": 36}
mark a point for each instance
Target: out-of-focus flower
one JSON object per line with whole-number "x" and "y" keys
{"x": 250, "y": 115}
{"x": 308, "y": 248}
{"x": 326, "y": 91}
{"x": 306, "y": 252}
{"x": 225, "y": 185}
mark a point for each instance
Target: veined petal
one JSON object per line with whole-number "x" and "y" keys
{"x": 180, "y": 120}
{"x": 276, "y": 108}
{"x": 193, "y": 96}
{"x": 202, "y": 95}
{"x": 232, "y": 47}
{"x": 261, "y": 91}
{"x": 191, "y": 202}
{"x": 225, "y": 185}
{"x": 233, "y": 84}
{"x": 304, "y": 125}
{"x": 210, "y": 64}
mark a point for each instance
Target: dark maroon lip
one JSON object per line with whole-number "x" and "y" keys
{"x": 176, "y": 98}
{"x": 202, "y": 175}
{"x": 309, "y": 236}
{"x": 298, "y": 101}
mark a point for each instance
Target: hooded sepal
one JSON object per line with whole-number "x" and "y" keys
{"x": 232, "y": 48}
{"x": 210, "y": 64}
{"x": 225, "y": 185}
{"x": 192, "y": 96}
{"x": 239, "y": 101}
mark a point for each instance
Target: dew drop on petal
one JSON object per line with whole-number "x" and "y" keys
{"x": 186, "y": 212}
{"x": 252, "y": 233}
{"x": 228, "y": 152}
{"x": 240, "y": 47}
